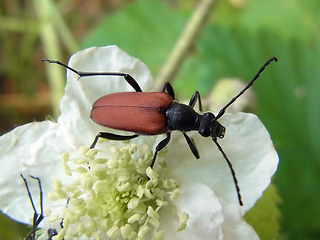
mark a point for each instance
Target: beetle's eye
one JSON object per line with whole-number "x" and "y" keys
{"x": 205, "y": 132}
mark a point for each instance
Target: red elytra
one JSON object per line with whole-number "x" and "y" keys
{"x": 138, "y": 112}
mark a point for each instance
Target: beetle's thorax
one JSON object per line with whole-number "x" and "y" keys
{"x": 181, "y": 117}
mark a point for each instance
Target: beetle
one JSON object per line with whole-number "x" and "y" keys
{"x": 153, "y": 113}
{"x": 37, "y": 218}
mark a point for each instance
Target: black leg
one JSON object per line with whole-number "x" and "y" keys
{"x": 37, "y": 218}
{"x": 51, "y": 233}
{"x": 160, "y": 146}
{"x": 192, "y": 145}
{"x": 133, "y": 83}
{"x": 193, "y": 100}
{"x": 111, "y": 136}
{"x": 41, "y": 200}
{"x": 231, "y": 169}
{"x": 169, "y": 89}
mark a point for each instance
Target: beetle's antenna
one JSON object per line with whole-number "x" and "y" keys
{"x": 37, "y": 218}
{"x": 61, "y": 64}
{"x": 29, "y": 193}
{"x": 126, "y": 76}
{"x": 41, "y": 199}
{"x": 222, "y": 111}
{"x": 231, "y": 169}
{"x": 85, "y": 74}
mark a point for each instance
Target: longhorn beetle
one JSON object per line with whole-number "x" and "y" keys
{"x": 152, "y": 113}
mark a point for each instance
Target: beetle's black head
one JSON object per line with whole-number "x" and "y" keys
{"x": 209, "y": 126}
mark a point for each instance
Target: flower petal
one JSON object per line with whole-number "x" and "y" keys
{"x": 32, "y": 149}
{"x": 234, "y": 227}
{"x": 248, "y": 146}
{"x": 205, "y": 214}
{"x": 36, "y": 148}
{"x": 80, "y": 94}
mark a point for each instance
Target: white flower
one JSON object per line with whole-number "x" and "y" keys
{"x": 201, "y": 192}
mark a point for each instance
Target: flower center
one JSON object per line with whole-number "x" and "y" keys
{"x": 115, "y": 196}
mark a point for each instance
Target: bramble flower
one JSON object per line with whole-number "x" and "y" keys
{"x": 110, "y": 192}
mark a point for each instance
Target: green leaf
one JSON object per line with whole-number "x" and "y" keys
{"x": 146, "y": 29}
{"x": 10, "y": 229}
{"x": 290, "y": 19}
{"x": 265, "y": 216}
{"x": 288, "y": 104}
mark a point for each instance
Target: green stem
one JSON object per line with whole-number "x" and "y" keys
{"x": 186, "y": 41}
{"x": 51, "y": 50}
{"x": 62, "y": 28}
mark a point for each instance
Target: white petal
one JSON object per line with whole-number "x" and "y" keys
{"x": 205, "y": 214}
{"x": 80, "y": 94}
{"x": 36, "y": 148}
{"x": 248, "y": 146}
{"x": 32, "y": 149}
{"x": 256, "y": 157}
{"x": 234, "y": 227}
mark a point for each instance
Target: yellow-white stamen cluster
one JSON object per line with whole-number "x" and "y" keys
{"x": 118, "y": 197}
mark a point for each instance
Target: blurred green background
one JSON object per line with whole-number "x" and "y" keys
{"x": 238, "y": 38}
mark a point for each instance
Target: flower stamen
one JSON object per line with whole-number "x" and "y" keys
{"x": 116, "y": 196}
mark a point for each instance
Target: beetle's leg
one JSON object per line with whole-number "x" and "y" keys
{"x": 231, "y": 169}
{"x": 111, "y": 136}
{"x": 192, "y": 145}
{"x": 41, "y": 200}
{"x": 160, "y": 146}
{"x": 51, "y": 233}
{"x": 193, "y": 100}
{"x": 133, "y": 83}
{"x": 169, "y": 89}
{"x": 37, "y": 218}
